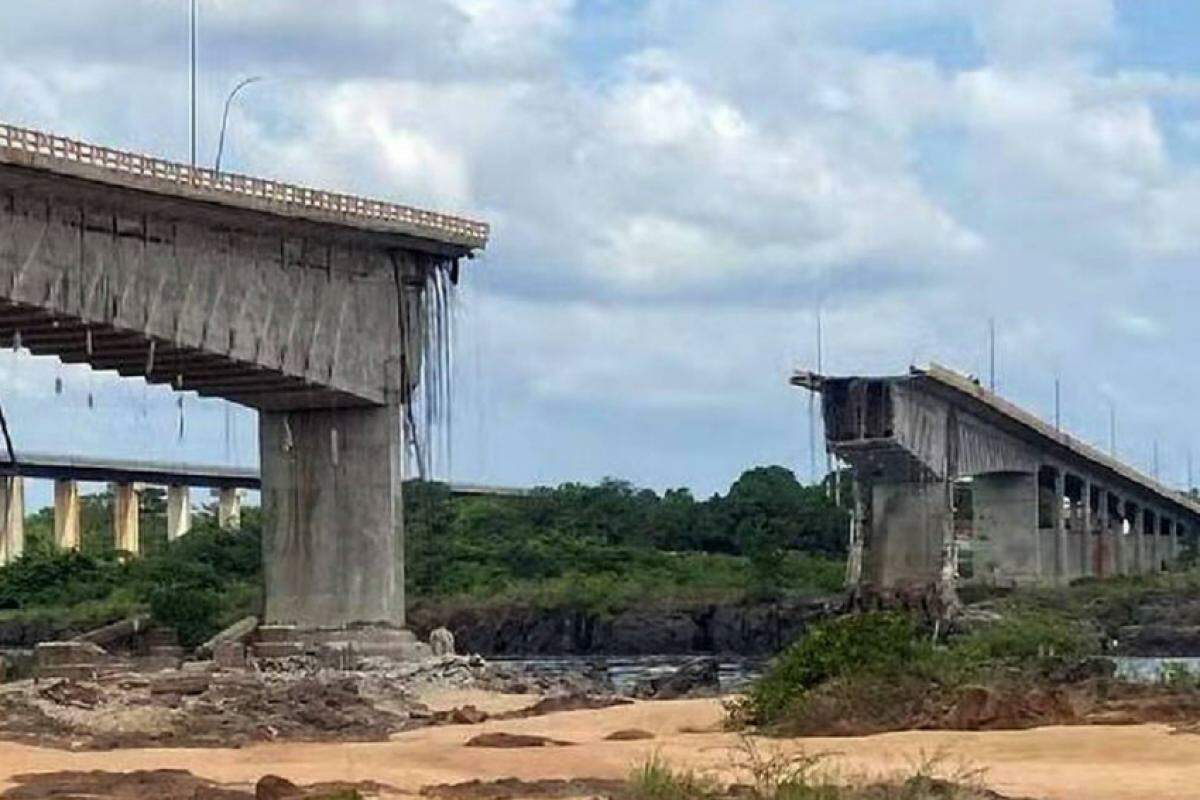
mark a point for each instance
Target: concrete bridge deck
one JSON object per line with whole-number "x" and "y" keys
{"x": 955, "y": 484}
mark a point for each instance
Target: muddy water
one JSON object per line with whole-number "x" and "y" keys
{"x": 1096, "y": 763}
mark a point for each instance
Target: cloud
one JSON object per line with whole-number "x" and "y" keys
{"x": 675, "y": 186}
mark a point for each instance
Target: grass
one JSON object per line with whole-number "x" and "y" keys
{"x": 775, "y": 774}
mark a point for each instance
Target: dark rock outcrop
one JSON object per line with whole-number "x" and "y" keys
{"x": 699, "y": 677}
{"x": 751, "y": 629}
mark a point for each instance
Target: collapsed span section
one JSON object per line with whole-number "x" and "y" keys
{"x": 953, "y": 484}
{"x": 312, "y": 307}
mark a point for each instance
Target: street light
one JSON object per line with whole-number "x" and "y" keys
{"x": 225, "y": 116}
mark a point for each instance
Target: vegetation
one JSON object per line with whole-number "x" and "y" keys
{"x": 799, "y": 775}
{"x": 607, "y": 546}
{"x": 883, "y": 665}
{"x": 601, "y": 548}
{"x": 197, "y": 584}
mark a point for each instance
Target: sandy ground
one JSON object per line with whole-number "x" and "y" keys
{"x": 1096, "y": 763}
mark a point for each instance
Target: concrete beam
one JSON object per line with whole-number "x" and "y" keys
{"x": 179, "y": 512}
{"x": 126, "y": 505}
{"x": 68, "y": 515}
{"x": 12, "y": 513}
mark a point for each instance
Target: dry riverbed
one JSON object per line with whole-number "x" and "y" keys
{"x": 1093, "y": 762}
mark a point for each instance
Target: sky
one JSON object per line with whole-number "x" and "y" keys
{"x": 675, "y": 188}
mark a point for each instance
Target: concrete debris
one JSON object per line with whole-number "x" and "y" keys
{"x": 441, "y": 642}
{"x": 238, "y": 633}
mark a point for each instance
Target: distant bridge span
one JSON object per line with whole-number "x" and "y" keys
{"x": 126, "y": 476}
{"x": 954, "y": 484}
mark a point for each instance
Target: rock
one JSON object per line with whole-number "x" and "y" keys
{"x": 696, "y": 678}
{"x": 69, "y": 693}
{"x": 1159, "y": 640}
{"x": 500, "y": 739}
{"x": 273, "y": 787}
{"x": 441, "y": 642}
{"x": 569, "y": 702}
{"x": 629, "y": 735}
{"x": 466, "y": 715}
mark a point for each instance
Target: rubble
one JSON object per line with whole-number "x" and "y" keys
{"x": 296, "y": 698}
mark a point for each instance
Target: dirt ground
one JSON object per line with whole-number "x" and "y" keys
{"x": 1093, "y": 762}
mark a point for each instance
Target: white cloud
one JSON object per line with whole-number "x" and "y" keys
{"x": 669, "y": 209}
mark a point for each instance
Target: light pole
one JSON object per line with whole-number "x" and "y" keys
{"x": 242, "y": 84}
{"x": 193, "y": 84}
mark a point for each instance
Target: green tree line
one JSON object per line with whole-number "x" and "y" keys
{"x": 603, "y": 547}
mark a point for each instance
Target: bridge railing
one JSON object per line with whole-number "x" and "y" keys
{"x": 63, "y": 148}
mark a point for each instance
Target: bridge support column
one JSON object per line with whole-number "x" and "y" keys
{"x": 126, "y": 536}
{"x": 332, "y": 539}
{"x": 67, "y": 515}
{"x": 229, "y": 508}
{"x": 1105, "y": 563}
{"x": 12, "y": 513}
{"x": 1137, "y": 561}
{"x": 179, "y": 511}
{"x": 1087, "y": 540}
{"x": 1061, "y": 571}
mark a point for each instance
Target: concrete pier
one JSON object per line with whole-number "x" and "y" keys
{"x": 179, "y": 511}
{"x": 68, "y": 515}
{"x": 229, "y": 508}
{"x": 333, "y": 548}
{"x": 126, "y": 505}
{"x": 12, "y": 513}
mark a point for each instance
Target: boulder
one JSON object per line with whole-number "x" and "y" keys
{"x": 699, "y": 677}
{"x": 273, "y": 787}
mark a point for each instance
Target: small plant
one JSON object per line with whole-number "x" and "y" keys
{"x": 778, "y": 775}
{"x": 1178, "y": 676}
{"x": 654, "y": 779}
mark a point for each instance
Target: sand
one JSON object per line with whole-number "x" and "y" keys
{"x": 1096, "y": 763}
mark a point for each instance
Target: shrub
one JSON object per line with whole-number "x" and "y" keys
{"x": 1023, "y": 638}
{"x": 864, "y": 644}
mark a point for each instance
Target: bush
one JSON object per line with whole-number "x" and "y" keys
{"x": 1022, "y": 639}
{"x": 865, "y": 644}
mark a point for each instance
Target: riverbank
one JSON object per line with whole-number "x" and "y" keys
{"x": 746, "y": 628}
{"x": 1096, "y": 763}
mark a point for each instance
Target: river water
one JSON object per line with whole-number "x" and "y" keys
{"x": 625, "y": 671}
{"x": 736, "y": 672}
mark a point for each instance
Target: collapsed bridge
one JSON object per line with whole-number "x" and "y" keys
{"x": 315, "y": 308}
{"x": 954, "y": 484}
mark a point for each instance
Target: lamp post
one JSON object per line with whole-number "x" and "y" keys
{"x": 242, "y": 84}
